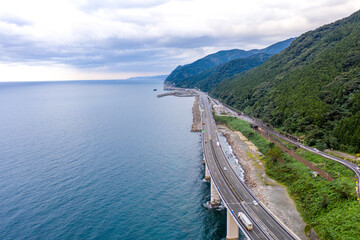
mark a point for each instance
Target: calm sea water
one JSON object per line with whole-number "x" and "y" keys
{"x": 101, "y": 160}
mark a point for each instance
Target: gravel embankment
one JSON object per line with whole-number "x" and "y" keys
{"x": 273, "y": 195}
{"x": 196, "y": 126}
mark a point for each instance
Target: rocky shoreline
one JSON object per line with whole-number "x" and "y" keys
{"x": 196, "y": 125}
{"x": 272, "y": 194}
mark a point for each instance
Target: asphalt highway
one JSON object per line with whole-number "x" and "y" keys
{"x": 234, "y": 193}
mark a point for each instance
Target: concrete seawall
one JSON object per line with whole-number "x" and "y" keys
{"x": 177, "y": 93}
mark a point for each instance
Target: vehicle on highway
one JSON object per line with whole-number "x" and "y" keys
{"x": 225, "y": 168}
{"x": 244, "y": 219}
{"x": 255, "y": 203}
{"x": 218, "y": 144}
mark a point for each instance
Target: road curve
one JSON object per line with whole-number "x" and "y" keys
{"x": 235, "y": 194}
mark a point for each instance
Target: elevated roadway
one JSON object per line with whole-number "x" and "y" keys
{"x": 235, "y": 195}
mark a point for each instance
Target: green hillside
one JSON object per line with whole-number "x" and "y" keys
{"x": 210, "y": 78}
{"x": 181, "y": 73}
{"x": 312, "y": 88}
{"x": 192, "y": 74}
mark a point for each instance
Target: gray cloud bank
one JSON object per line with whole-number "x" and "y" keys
{"x": 151, "y": 36}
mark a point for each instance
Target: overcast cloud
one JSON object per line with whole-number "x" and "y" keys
{"x": 102, "y": 39}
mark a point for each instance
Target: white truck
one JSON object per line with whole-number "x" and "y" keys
{"x": 244, "y": 219}
{"x": 218, "y": 144}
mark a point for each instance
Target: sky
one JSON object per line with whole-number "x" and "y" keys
{"x": 116, "y": 39}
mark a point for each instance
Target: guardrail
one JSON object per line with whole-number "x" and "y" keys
{"x": 222, "y": 197}
{"x": 268, "y": 212}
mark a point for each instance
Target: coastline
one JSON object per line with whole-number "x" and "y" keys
{"x": 196, "y": 125}
{"x": 272, "y": 194}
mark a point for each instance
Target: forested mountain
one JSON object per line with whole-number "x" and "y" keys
{"x": 209, "y": 78}
{"x": 204, "y": 67}
{"x": 181, "y": 73}
{"x": 274, "y": 48}
{"x": 312, "y": 88}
